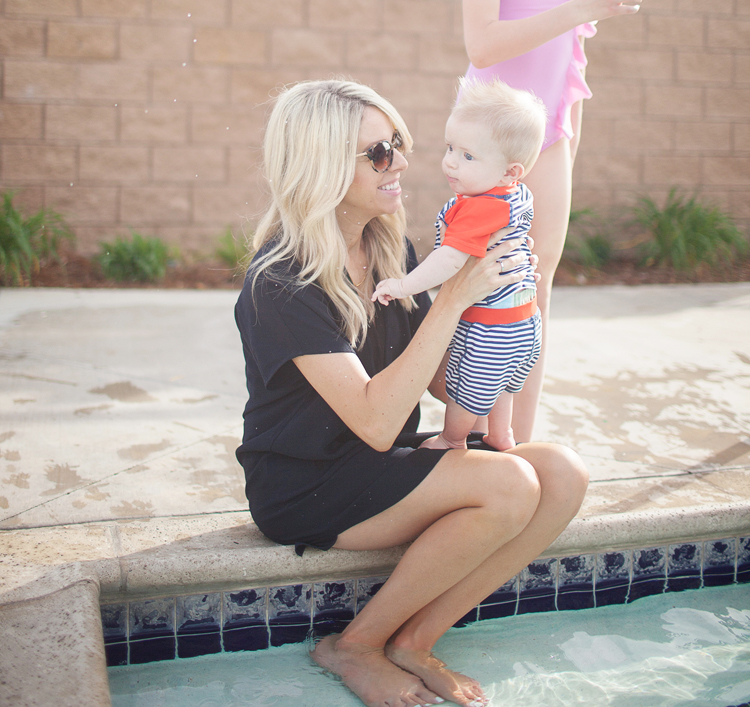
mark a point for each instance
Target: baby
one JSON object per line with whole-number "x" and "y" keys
{"x": 494, "y": 135}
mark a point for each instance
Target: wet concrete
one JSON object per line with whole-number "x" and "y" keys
{"x": 120, "y": 412}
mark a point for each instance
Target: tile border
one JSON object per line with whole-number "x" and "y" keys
{"x": 181, "y": 626}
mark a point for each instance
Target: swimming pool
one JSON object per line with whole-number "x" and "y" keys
{"x": 667, "y": 650}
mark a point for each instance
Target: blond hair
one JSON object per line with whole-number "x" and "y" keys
{"x": 310, "y": 149}
{"x": 516, "y": 119}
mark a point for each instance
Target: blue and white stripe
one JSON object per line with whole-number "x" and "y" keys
{"x": 487, "y": 360}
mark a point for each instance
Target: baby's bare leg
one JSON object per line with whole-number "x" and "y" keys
{"x": 458, "y": 423}
{"x": 500, "y": 434}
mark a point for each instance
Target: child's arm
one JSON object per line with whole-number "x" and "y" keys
{"x": 439, "y": 266}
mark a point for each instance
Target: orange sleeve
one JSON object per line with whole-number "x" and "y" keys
{"x": 471, "y": 222}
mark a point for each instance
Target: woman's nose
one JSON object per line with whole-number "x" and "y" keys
{"x": 400, "y": 163}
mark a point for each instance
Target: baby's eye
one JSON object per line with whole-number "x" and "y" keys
{"x": 468, "y": 157}
{"x": 450, "y": 148}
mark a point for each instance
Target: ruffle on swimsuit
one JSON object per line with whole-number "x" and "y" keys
{"x": 575, "y": 89}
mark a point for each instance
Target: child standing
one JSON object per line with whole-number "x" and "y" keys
{"x": 493, "y": 135}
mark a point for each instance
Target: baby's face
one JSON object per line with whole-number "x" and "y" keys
{"x": 473, "y": 164}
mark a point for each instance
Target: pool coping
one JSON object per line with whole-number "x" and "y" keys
{"x": 130, "y": 560}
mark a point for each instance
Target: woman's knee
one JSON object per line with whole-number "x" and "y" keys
{"x": 512, "y": 489}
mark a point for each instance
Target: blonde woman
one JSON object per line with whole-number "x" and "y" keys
{"x": 334, "y": 383}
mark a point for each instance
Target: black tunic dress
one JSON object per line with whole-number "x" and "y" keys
{"x": 308, "y": 476}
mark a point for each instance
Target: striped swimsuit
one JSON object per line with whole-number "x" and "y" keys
{"x": 489, "y": 358}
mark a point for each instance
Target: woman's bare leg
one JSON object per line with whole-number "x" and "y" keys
{"x": 470, "y": 506}
{"x": 550, "y": 183}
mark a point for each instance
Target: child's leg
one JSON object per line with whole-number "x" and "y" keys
{"x": 499, "y": 420}
{"x": 458, "y": 423}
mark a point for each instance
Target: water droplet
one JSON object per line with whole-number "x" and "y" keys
{"x": 190, "y": 14}
{"x": 146, "y": 111}
{"x": 71, "y": 184}
{"x": 194, "y": 41}
{"x": 184, "y": 63}
{"x": 175, "y": 100}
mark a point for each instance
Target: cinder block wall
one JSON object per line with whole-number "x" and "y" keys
{"x": 148, "y": 114}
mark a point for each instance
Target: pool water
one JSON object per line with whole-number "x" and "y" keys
{"x": 668, "y": 650}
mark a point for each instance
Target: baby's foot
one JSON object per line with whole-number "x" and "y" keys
{"x": 366, "y": 671}
{"x": 440, "y": 442}
{"x": 501, "y": 442}
{"x": 438, "y": 677}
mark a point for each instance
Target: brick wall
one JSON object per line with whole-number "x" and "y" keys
{"x": 147, "y": 114}
{"x": 671, "y": 106}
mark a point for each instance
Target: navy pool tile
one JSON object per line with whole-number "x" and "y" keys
{"x": 116, "y": 653}
{"x": 289, "y": 613}
{"x": 538, "y": 586}
{"x": 283, "y": 633}
{"x": 195, "y": 644}
{"x": 248, "y": 638}
{"x": 333, "y": 606}
{"x": 468, "y": 618}
{"x": 575, "y": 582}
{"x": 719, "y": 562}
{"x": 152, "y": 618}
{"x": 151, "y": 650}
{"x": 292, "y": 600}
{"x": 684, "y": 566}
{"x": 612, "y": 577}
{"x": 367, "y": 588}
{"x": 245, "y": 608}
{"x": 115, "y": 622}
{"x": 200, "y": 613}
{"x": 649, "y": 573}
{"x": 503, "y": 602}
{"x": 743, "y": 560}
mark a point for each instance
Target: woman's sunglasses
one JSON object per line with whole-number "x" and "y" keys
{"x": 381, "y": 153}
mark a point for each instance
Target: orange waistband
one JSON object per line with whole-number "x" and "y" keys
{"x": 486, "y": 315}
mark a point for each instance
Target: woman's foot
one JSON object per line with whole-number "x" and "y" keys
{"x": 440, "y": 442}
{"x": 437, "y": 676}
{"x": 371, "y": 676}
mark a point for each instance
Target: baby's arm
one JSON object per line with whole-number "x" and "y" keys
{"x": 439, "y": 266}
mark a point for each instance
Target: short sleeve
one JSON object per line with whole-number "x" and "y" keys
{"x": 471, "y": 222}
{"x": 280, "y": 322}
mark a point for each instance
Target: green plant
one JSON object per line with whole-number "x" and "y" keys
{"x": 686, "y": 232}
{"x": 587, "y": 243}
{"x": 138, "y": 259}
{"x": 24, "y": 242}
{"x": 231, "y": 251}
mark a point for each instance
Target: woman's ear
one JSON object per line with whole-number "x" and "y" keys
{"x": 515, "y": 171}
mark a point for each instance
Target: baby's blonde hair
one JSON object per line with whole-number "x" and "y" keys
{"x": 516, "y": 119}
{"x": 310, "y": 149}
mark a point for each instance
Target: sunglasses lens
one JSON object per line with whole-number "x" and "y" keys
{"x": 381, "y": 156}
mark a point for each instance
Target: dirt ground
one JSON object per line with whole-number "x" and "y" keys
{"x": 79, "y": 271}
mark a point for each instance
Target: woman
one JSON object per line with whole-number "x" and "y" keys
{"x": 334, "y": 379}
{"x": 538, "y": 46}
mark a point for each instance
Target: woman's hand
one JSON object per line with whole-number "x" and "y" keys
{"x": 480, "y": 276}
{"x": 594, "y": 10}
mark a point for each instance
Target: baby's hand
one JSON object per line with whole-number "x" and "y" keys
{"x": 388, "y": 290}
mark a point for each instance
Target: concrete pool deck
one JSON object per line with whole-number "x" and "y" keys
{"x": 121, "y": 411}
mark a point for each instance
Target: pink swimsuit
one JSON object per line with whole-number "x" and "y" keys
{"x": 552, "y": 71}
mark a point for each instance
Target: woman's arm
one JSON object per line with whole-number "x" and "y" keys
{"x": 490, "y": 41}
{"x": 377, "y": 408}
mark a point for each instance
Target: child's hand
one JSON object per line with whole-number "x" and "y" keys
{"x": 388, "y": 290}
